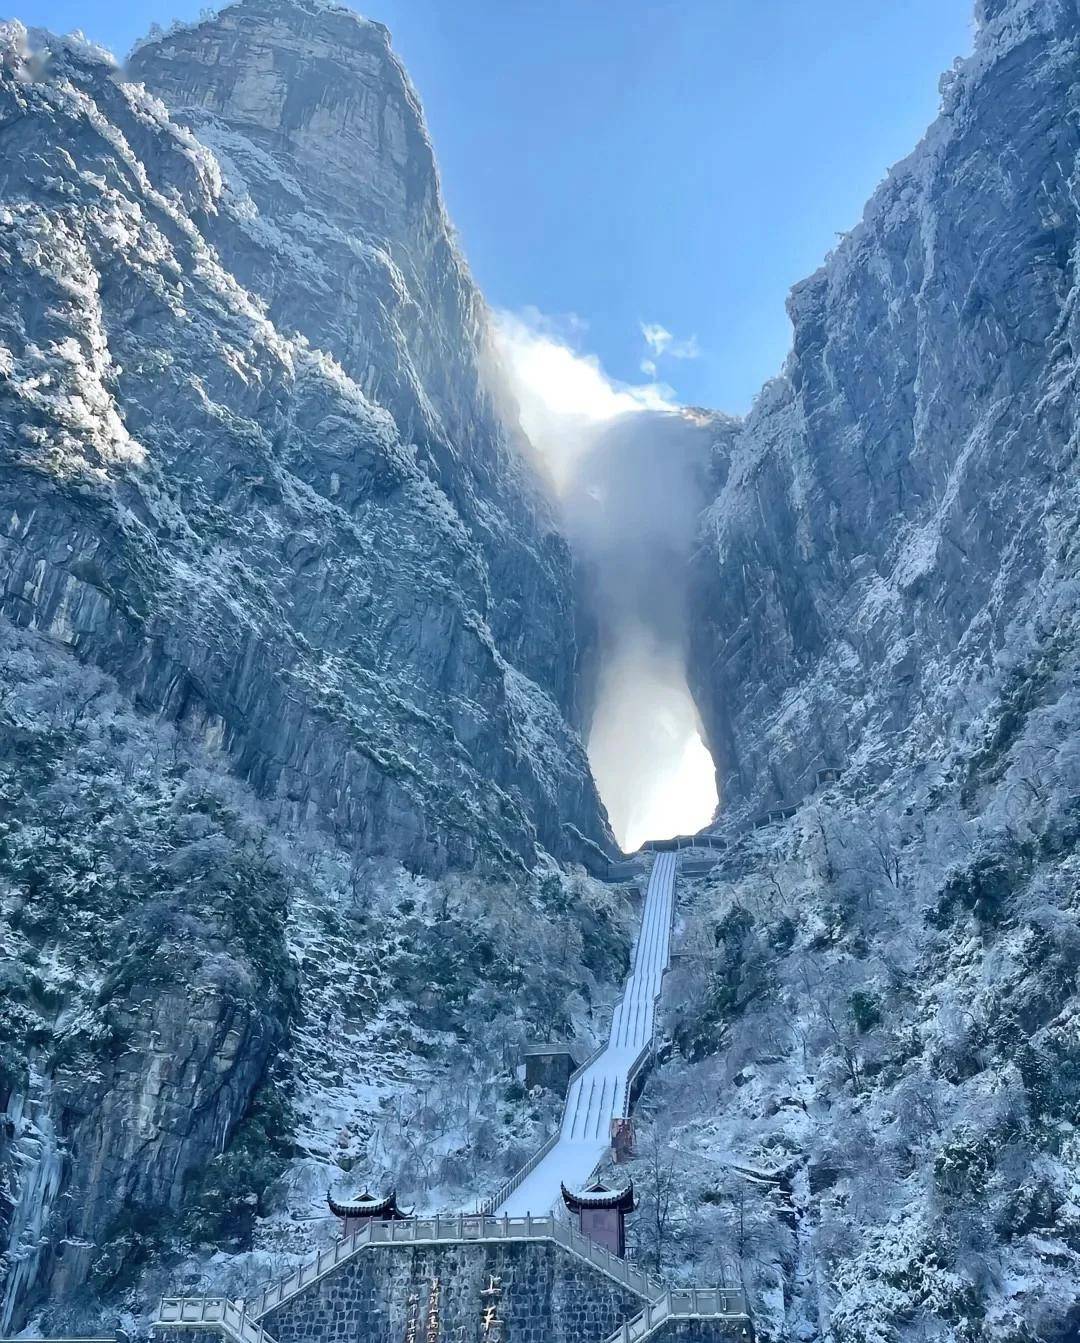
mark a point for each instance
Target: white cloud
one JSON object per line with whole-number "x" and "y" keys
{"x": 657, "y": 338}
{"x": 653, "y": 771}
{"x": 685, "y": 349}
{"x": 661, "y": 342}
{"x": 563, "y": 394}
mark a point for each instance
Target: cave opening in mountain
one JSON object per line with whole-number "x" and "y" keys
{"x": 645, "y": 744}
{"x": 630, "y": 471}
{"x": 631, "y": 502}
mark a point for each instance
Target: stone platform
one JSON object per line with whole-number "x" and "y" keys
{"x": 535, "y": 1291}
{"x": 463, "y": 1280}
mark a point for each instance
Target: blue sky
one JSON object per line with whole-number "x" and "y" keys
{"x": 677, "y": 163}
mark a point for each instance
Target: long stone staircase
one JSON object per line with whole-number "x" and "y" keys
{"x": 599, "y": 1091}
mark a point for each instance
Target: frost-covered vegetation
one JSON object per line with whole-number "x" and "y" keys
{"x": 353, "y": 1024}
{"x": 139, "y": 888}
{"x": 879, "y": 999}
{"x": 872, "y": 1046}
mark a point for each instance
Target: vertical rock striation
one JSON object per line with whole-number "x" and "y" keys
{"x": 254, "y": 468}
{"x": 899, "y": 512}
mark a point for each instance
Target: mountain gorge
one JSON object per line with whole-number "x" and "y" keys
{"x": 296, "y": 822}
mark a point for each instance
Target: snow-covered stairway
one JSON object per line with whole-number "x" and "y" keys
{"x": 600, "y": 1091}
{"x": 211, "y": 1315}
{"x": 689, "y": 1303}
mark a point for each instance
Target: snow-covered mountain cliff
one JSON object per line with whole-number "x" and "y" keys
{"x": 292, "y": 677}
{"x": 897, "y": 522}
{"x": 289, "y": 632}
{"x": 875, "y": 1035}
{"x": 256, "y": 472}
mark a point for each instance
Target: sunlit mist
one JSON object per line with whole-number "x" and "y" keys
{"x": 652, "y": 768}
{"x": 628, "y": 466}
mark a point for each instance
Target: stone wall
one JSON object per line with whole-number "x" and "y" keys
{"x": 684, "y": 1330}
{"x": 544, "y": 1295}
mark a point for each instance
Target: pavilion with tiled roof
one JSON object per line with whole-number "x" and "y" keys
{"x": 600, "y": 1211}
{"x": 357, "y": 1212}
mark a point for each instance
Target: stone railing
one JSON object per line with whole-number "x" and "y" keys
{"x": 678, "y": 842}
{"x": 686, "y": 1303}
{"x": 633, "y": 1073}
{"x": 488, "y": 1206}
{"x": 216, "y": 1313}
{"x": 433, "y": 1230}
{"x": 493, "y": 1201}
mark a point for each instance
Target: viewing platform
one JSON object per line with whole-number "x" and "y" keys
{"x": 455, "y": 1278}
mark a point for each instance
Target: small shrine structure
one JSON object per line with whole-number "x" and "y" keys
{"x": 601, "y": 1212}
{"x": 549, "y": 1066}
{"x": 622, "y": 1140}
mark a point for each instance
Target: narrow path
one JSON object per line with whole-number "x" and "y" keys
{"x": 598, "y": 1094}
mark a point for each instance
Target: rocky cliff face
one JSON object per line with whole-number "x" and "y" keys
{"x": 898, "y": 515}
{"x": 289, "y": 634}
{"x": 883, "y": 1013}
{"x": 290, "y": 637}
{"x": 254, "y": 468}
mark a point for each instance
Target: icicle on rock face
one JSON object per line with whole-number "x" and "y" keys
{"x": 32, "y": 1154}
